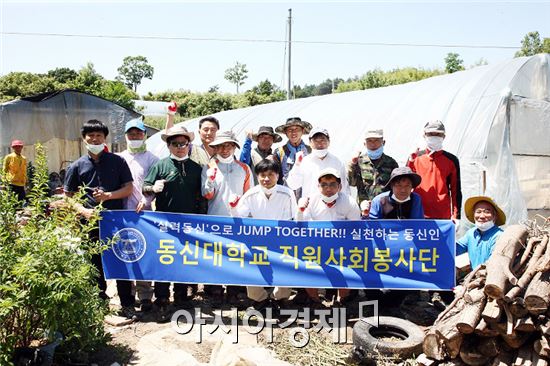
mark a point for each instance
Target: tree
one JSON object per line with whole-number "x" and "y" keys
{"x": 531, "y": 45}
{"x": 237, "y": 74}
{"x": 62, "y": 75}
{"x": 133, "y": 70}
{"x": 453, "y": 63}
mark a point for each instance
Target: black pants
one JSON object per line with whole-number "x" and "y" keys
{"x": 162, "y": 291}
{"x": 124, "y": 289}
{"x": 19, "y": 191}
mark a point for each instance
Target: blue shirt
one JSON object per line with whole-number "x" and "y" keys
{"x": 286, "y": 156}
{"x": 385, "y": 207}
{"x": 479, "y": 245}
{"x": 109, "y": 173}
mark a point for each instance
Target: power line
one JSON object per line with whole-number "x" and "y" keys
{"x": 249, "y": 40}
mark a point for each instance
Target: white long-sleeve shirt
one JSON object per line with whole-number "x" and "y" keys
{"x": 232, "y": 178}
{"x": 344, "y": 208}
{"x": 306, "y": 174}
{"x": 281, "y": 205}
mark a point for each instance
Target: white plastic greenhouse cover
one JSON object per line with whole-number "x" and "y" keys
{"x": 497, "y": 120}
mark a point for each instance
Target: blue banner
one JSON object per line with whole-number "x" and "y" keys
{"x": 170, "y": 247}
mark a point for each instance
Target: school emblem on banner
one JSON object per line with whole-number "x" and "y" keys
{"x": 129, "y": 245}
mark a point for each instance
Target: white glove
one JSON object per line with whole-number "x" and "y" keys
{"x": 303, "y": 203}
{"x": 211, "y": 173}
{"x": 159, "y": 186}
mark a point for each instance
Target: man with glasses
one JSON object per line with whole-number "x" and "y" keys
{"x": 328, "y": 204}
{"x": 306, "y": 169}
{"x": 176, "y": 183}
{"x": 208, "y": 127}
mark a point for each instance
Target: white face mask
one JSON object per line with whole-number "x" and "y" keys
{"x": 269, "y": 191}
{"x": 225, "y": 160}
{"x": 172, "y": 156}
{"x": 135, "y": 144}
{"x": 95, "y": 149}
{"x": 400, "y": 201}
{"x": 484, "y": 226}
{"x": 434, "y": 143}
{"x": 329, "y": 199}
{"x": 319, "y": 153}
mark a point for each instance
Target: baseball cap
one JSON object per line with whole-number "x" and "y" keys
{"x": 317, "y": 130}
{"x": 376, "y": 134}
{"x": 434, "y": 126}
{"x": 135, "y": 123}
{"x": 328, "y": 171}
{"x": 17, "y": 143}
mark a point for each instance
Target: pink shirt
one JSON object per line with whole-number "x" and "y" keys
{"x": 139, "y": 166}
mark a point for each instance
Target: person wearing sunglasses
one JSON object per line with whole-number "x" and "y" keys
{"x": 176, "y": 183}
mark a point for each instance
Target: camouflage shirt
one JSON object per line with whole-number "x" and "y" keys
{"x": 370, "y": 176}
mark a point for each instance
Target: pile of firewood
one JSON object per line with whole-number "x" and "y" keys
{"x": 500, "y": 314}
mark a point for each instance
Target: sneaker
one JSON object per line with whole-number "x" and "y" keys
{"x": 129, "y": 312}
{"x": 261, "y": 307}
{"x": 163, "y": 310}
{"x": 146, "y": 306}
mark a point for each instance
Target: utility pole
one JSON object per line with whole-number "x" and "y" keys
{"x": 289, "y": 88}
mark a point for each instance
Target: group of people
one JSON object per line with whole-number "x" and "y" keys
{"x": 295, "y": 181}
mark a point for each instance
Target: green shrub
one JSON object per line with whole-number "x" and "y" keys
{"x": 47, "y": 281}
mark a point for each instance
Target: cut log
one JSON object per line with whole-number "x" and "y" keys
{"x": 473, "y": 358}
{"x": 544, "y": 327}
{"x": 514, "y": 340}
{"x": 470, "y": 354}
{"x": 544, "y": 263}
{"x": 503, "y": 359}
{"x": 517, "y": 308}
{"x": 483, "y": 329}
{"x": 443, "y": 339}
{"x": 530, "y": 271}
{"x": 541, "y": 347}
{"x": 525, "y": 324}
{"x": 524, "y": 356}
{"x": 526, "y": 253}
{"x": 488, "y": 347}
{"x": 538, "y": 361}
{"x": 475, "y": 302}
{"x": 537, "y": 295}
{"x": 424, "y": 360}
{"x": 433, "y": 346}
{"x": 499, "y": 272}
{"x": 492, "y": 311}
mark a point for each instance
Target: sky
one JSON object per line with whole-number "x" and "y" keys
{"x": 188, "y": 43}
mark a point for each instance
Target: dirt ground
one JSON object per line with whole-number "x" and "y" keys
{"x": 131, "y": 342}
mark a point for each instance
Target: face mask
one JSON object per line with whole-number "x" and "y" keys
{"x": 484, "y": 226}
{"x": 225, "y": 160}
{"x": 177, "y": 158}
{"x": 329, "y": 199}
{"x": 434, "y": 143}
{"x": 95, "y": 149}
{"x": 375, "y": 154}
{"x": 398, "y": 200}
{"x": 135, "y": 146}
{"x": 269, "y": 191}
{"x": 319, "y": 153}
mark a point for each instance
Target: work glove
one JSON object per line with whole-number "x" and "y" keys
{"x": 172, "y": 108}
{"x": 234, "y": 200}
{"x": 303, "y": 203}
{"x": 159, "y": 186}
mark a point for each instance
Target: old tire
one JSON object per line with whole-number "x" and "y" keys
{"x": 370, "y": 339}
